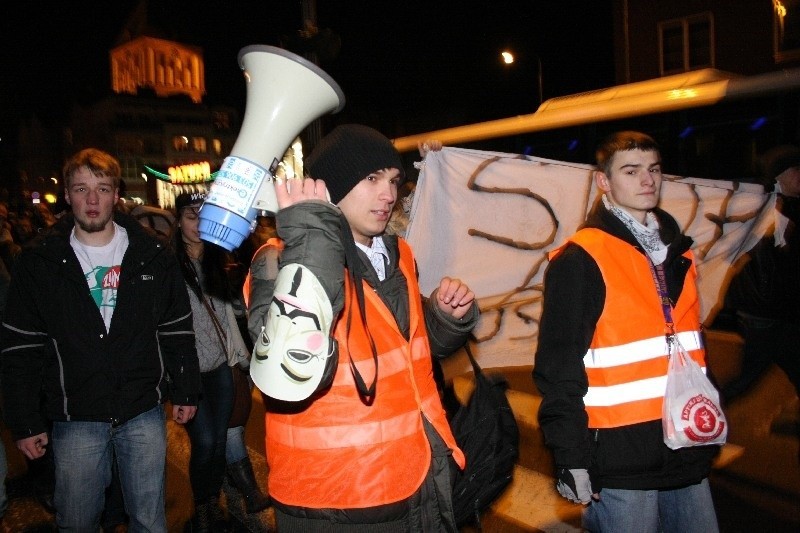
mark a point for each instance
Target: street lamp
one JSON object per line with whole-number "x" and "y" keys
{"x": 508, "y": 58}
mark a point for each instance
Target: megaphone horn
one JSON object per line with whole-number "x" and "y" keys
{"x": 285, "y": 93}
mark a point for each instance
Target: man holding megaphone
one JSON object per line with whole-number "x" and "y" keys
{"x": 356, "y": 431}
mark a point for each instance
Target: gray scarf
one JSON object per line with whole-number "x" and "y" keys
{"x": 647, "y": 235}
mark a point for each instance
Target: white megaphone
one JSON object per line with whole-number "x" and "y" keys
{"x": 285, "y": 93}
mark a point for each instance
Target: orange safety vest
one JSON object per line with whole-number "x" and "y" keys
{"x": 626, "y": 363}
{"x": 340, "y": 453}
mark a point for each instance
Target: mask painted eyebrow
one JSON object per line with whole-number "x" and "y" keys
{"x": 294, "y": 312}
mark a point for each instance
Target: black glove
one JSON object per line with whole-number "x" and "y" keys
{"x": 574, "y": 484}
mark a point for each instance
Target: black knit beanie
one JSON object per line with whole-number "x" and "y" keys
{"x": 347, "y": 155}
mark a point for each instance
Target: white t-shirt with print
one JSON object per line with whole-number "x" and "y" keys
{"x": 101, "y": 268}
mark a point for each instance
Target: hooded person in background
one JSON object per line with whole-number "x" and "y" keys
{"x": 765, "y": 293}
{"x": 329, "y": 467}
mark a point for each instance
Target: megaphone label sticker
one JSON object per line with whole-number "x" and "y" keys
{"x": 237, "y": 182}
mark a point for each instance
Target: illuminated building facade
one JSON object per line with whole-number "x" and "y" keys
{"x": 166, "y": 139}
{"x": 166, "y": 67}
{"x": 155, "y": 121}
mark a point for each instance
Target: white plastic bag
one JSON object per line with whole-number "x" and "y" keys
{"x": 692, "y": 414}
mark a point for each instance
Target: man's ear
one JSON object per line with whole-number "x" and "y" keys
{"x": 601, "y": 180}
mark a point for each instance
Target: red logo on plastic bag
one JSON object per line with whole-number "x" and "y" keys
{"x": 703, "y": 418}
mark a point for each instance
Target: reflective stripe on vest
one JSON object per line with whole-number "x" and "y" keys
{"x": 356, "y": 455}
{"x": 646, "y": 357}
{"x": 626, "y": 364}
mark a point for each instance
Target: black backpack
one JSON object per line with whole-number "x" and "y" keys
{"x": 487, "y": 433}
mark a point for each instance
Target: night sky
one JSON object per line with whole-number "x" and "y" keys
{"x": 404, "y": 67}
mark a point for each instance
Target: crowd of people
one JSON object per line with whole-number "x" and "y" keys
{"x": 106, "y": 322}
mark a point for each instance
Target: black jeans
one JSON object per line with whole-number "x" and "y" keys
{"x": 208, "y": 432}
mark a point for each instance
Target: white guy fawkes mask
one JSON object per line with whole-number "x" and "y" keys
{"x": 295, "y": 354}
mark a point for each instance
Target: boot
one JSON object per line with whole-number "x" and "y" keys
{"x": 201, "y": 521}
{"x": 243, "y": 478}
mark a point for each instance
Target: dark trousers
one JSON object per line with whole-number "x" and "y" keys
{"x": 208, "y": 432}
{"x": 766, "y": 341}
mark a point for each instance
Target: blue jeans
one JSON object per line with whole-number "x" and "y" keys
{"x": 235, "y": 449}
{"x": 83, "y": 452}
{"x": 208, "y": 432}
{"x": 114, "y": 511}
{"x": 685, "y": 510}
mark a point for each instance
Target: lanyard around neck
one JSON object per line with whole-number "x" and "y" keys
{"x": 660, "y": 280}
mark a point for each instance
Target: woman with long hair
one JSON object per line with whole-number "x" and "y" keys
{"x": 204, "y": 269}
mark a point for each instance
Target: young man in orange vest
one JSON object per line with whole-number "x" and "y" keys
{"x": 371, "y": 450}
{"x": 601, "y": 362}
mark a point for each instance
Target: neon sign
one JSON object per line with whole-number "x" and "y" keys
{"x": 194, "y": 173}
{"x": 184, "y": 174}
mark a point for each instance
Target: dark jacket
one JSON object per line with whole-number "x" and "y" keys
{"x": 55, "y": 347}
{"x": 768, "y": 285}
{"x": 629, "y": 457}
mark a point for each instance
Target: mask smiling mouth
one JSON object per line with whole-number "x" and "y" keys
{"x": 294, "y": 376}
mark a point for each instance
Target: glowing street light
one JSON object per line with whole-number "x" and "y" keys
{"x": 508, "y": 59}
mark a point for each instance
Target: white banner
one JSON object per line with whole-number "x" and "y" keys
{"x": 491, "y": 218}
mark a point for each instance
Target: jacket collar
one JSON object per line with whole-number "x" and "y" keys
{"x": 54, "y": 243}
{"x": 677, "y": 243}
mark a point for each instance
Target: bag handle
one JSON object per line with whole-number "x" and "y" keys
{"x": 223, "y": 338}
{"x": 476, "y": 368}
{"x": 352, "y": 264}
